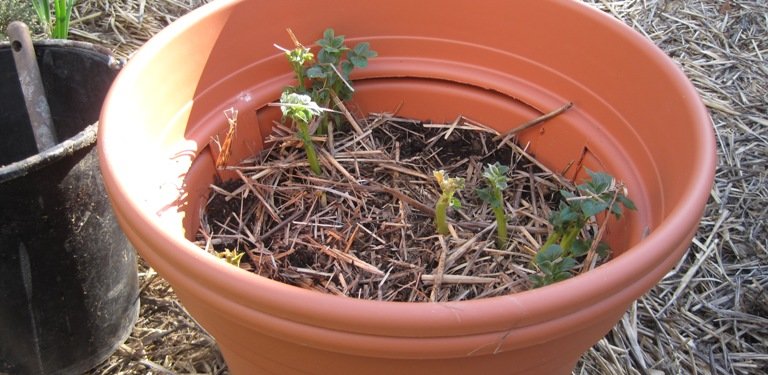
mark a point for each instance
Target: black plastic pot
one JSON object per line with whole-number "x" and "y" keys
{"x": 68, "y": 281}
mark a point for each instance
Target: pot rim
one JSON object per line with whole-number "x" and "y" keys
{"x": 79, "y": 141}
{"x": 245, "y": 290}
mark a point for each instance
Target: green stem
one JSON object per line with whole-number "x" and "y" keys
{"x": 298, "y": 69}
{"x": 441, "y": 216}
{"x": 63, "y": 9}
{"x": 501, "y": 227}
{"x": 553, "y": 238}
{"x": 309, "y": 147}
{"x": 301, "y": 78}
{"x": 568, "y": 238}
{"x": 323, "y": 128}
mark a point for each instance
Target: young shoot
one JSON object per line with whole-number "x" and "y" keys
{"x": 496, "y": 178}
{"x": 231, "y": 256}
{"x": 328, "y": 75}
{"x": 298, "y": 57}
{"x": 302, "y": 110}
{"x": 335, "y": 63}
{"x": 317, "y": 82}
{"x": 557, "y": 257}
{"x": 448, "y": 187}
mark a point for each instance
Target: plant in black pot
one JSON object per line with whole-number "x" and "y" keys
{"x": 69, "y": 292}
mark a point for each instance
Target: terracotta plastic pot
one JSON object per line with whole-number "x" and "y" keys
{"x": 501, "y": 63}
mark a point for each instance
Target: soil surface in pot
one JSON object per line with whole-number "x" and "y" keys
{"x": 365, "y": 227}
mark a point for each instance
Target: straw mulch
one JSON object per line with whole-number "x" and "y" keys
{"x": 709, "y": 315}
{"x": 375, "y": 176}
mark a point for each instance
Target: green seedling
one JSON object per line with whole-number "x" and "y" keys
{"x": 335, "y": 62}
{"x": 302, "y": 110}
{"x": 62, "y": 9}
{"x": 557, "y": 257}
{"x": 496, "y": 178}
{"x": 317, "y": 82}
{"x": 298, "y": 57}
{"x": 448, "y": 187}
{"x": 327, "y": 75}
{"x": 231, "y": 256}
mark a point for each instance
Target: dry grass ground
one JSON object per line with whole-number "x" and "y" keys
{"x": 709, "y": 315}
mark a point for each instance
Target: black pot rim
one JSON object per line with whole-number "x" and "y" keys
{"x": 83, "y": 139}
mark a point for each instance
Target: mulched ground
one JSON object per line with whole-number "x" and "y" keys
{"x": 709, "y": 315}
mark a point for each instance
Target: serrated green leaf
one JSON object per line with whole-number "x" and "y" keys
{"x": 330, "y": 40}
{"x": 547, "y": 268}
{"x": 537, "y": 281}
{"x": 603, "y": 250}
{"x": 345, "y": 94}
{"x": 600, "y": 182}
{"x": 586, "y": 189}
{"x": 331, "y": 48}
{"x": 327, "y": 57}
{"x": 364, "y": 49}
{"x": 496, "y": 175}
{"x": 591, "y": 207}
{"x": 359, "y": 55}
{"x": 626, "y": 202}
{"x": 328, "y": 34}
{"x": 616, "y": 210}
{"x": 580, "y": 248}
{"x": 567, "y": 264}
{"x": 358, "y": 61}
{"x": 562, "y": 217}
{"x": 485, "y": 195}
{"x": 346, "y": 69}
{"x": 316, "y": 72}
{"x": 548, "y": 254}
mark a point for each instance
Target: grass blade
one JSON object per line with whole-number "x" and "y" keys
{"x": 43, "y": 10}
{"x": 63, "y": 15}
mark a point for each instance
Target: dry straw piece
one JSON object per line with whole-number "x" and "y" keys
{"x": 709, "y": 315}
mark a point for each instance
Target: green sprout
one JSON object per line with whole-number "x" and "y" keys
{"x": 331, "y": 72}
{"x": 231, "y": 256}
{"x": 448, "y": 186}
{"x": 302, "y": 110}
{"x": 63, "y": 13}
{"x": 496, "y": 177}
{"x": 557, "y": 257}
{"x": 297, "y": 57}
{"x": 328, "y": 75}
{"x": 317, "y": 81}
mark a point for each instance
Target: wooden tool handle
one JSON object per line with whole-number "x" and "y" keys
{"x": 32, "y": 85}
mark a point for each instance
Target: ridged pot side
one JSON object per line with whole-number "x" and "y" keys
{"x": 624, "y": 100}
